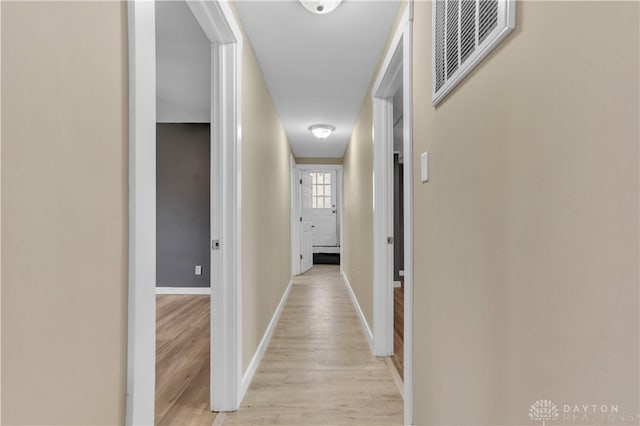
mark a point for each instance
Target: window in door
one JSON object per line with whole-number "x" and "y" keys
{"x": 321, "y": 185}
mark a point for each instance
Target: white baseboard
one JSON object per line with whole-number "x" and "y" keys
{"x": 264, "y": 343}
{"x": 356, "y": 305}
{"x": 397, "y": 284}
{"x": 331, "y": 250}
{"x": 219, "y": 420}
{"x": 183, "y": 290}
{"x": 395, "y": 375}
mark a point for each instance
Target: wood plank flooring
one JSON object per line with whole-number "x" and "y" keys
{"x": 319, "y": 368}
{"x": 398, "y": 329}
{"x": 182, "y": 360}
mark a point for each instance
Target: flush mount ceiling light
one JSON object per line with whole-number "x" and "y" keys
{"x": 320, "y": 7}
{"x": 321, "y": 131}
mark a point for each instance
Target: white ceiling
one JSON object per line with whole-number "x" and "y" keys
{"x": 183, "y": 66}
{"x": 318, "y": 67}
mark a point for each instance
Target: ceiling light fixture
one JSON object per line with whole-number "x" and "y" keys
{"x": 321, "y": 7}
{"x": 321, "y": 131}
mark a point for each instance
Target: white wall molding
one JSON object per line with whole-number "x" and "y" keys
{"x": 383, "y": 226}
{"x": 183, "y": 290}
{"x": 295, "y": 209}
{"x": 407, "y": 77}
{"x": 226, "y": 283}
{"x": 217, "y": 21}
{"x": 264, "y": 343}
{"x": 141, "y": 342}
{"x": 220, "y": 26}
{"x": 395, "y": 375}
{"x": 363, "y": 320}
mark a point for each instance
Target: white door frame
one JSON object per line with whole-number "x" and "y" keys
{"x": 396, "y": 71}
{"x": 295, "y": 217}
{"x": 295, "y": 238}
{"x": 220, "y": 26}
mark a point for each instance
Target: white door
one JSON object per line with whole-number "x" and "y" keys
{"x": 324, "y": 211}
{"x": 306, "y": 246}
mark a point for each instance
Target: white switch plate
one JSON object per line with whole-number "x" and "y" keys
{"x": 198, "y": 270}
{"x": 424, "y": 166}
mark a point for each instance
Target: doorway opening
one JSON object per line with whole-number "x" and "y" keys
{"x": 224, "y": 43}
{"x": 183, "y": 217}
{"x": 183, "y": 290}
{"x": 393, "y": 210}
{"x": 398, "y": 233}
{"x": 317, "y": 221}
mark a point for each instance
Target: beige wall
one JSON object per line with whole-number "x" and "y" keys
{"x": 64, "y": 212}
{"x": 266, "y": 206}
{"x": 357, "y": 248}
{"x": 64, "y": 152}
{"x": 64, "y": 274}
{"x": 318, "y": 160}
{"x": 526, "y": 236}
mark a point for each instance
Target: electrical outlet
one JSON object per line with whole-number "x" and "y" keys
{"x": 198, "y": 270}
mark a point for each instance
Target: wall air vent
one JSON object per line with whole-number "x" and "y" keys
{"x": 464, "y": 32}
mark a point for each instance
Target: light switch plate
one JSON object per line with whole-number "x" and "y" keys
{"x": 424, "y": 166}
{"x": 198, "y": 270}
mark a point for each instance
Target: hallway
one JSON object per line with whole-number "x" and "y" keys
{"x": 319, "y": 368}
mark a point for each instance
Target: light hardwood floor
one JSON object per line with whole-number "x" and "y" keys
{"x": 398, "y": 329}
{"x": 319, "y": 368}
{"x": 182, "y": 360}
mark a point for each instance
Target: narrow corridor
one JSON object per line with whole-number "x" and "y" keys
{"x": 319, "y": 368}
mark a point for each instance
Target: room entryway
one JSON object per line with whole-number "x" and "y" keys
{"x": 393, "y": 210}
{"x": 319, "y": 204}
{"x": 184, "y": 159}
{"x": 398, "y": 232}
{"x": 324, "y": 215}
{"x": 197, "y": 35}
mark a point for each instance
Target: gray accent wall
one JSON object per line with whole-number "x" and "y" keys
{"x": 183, "y": 194}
